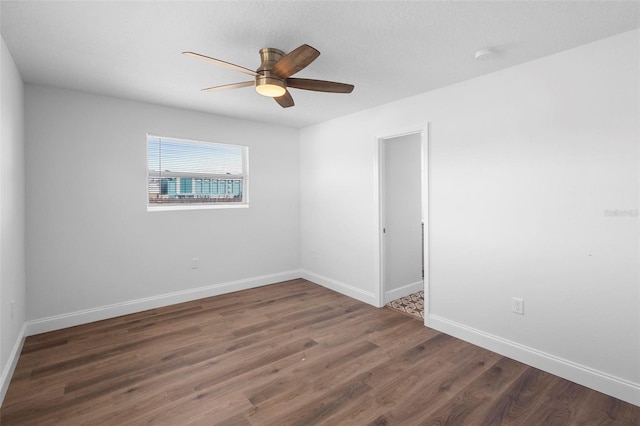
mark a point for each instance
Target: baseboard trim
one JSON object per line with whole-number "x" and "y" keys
{"x": 591, "y": 378}
{"x": 58, "y": 322}
{"x": 340, "y": 287}
{"x": 12, "y": 362}
{"x": 403, "y": 291}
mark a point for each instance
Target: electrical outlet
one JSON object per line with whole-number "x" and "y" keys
{"x": 12, "y": 304}
{"x": 517, "y": 306}
{"x": 195, "y": 263}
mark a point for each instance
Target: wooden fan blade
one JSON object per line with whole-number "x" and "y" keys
{"x": 227, "y": 65}
{"x": 319, "y": 85}
{"x": 294, "y": 61}
{"x": 285, "y": 100}
{"x": 230, "y": 86}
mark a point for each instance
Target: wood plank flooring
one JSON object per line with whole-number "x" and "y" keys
{"x": 292, "y": 353}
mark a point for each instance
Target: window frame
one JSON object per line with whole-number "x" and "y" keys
{"x": 201, "y": 206}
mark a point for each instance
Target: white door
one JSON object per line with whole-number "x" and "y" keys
{"x": 402, "y": 216}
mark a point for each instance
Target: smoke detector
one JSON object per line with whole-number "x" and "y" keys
{"x": 483, "y": 54}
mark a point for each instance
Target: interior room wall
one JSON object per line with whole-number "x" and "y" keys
{"x": 12, "y": 249}
{"x": 94, "y": 249}
{"x": 533, "y": 193}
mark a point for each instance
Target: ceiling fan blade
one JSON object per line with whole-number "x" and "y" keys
{"x": 294, "y": 61}
{"x": 319, "y": 85}
{"x": 227, "y": 65}
{"x": 285, "y": 100}
{"x": 230, "y": 86}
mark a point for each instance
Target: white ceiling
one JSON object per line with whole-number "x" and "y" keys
{"x": 388, "y": 50}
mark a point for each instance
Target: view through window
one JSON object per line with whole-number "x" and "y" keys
{"x": 185, "y": 173}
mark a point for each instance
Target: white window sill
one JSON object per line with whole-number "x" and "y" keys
{"x": 198, "y": 207}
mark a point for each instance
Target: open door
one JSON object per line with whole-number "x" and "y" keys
{"x": 401, "y": 215}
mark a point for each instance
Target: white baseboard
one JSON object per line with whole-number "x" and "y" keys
{"x": 10, "y": 366}
{"x": 340, "y": 287}
{"x": 403, "y": 291}
{"x": 594, "y": 379}
{"x": 57, "y": 322}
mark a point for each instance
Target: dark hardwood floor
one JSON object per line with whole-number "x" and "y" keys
{"x": 292, "y": 353}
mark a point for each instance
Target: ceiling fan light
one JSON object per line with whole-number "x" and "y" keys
{"x": 269, "y": 86}
{"x": 271, "y": 90}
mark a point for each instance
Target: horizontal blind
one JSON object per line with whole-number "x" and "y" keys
{"x": 184, "y": 172}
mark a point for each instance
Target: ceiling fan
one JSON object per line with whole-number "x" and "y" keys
{"x": 273, "y": 76}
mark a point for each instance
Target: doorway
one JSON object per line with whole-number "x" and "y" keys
{"x": 403, "y": 214}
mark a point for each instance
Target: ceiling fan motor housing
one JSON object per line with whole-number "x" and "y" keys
{"x": 269, "y": 57}
{"x": 268, "y": 84}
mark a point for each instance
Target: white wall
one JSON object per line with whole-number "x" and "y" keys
{"x": 524, "y": 163}
{"x": 401, "y": 194}
{"x": 95, "y": 251}
{"x": 12, "y": 250}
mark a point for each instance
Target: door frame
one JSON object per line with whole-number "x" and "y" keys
{"x": 423, "y": 130}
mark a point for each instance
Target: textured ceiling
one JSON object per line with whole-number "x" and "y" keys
{"x": 388, "y": 50}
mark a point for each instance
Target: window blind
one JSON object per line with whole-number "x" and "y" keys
{"x": 184, "y": 172}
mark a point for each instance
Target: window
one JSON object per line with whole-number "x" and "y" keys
{"x": 184, "y": 174}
